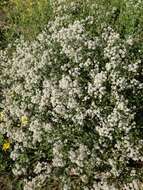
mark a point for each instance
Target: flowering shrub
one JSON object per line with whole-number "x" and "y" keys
{"x": 71, "y": 108}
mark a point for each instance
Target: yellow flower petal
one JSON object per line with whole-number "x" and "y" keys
{"x": 6, "y": 146}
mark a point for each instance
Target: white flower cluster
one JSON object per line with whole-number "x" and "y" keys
{"x": 69, "y": 106}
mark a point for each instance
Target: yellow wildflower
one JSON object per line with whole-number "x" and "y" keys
{"x": 24, "y": 120}
{"x": 6, "y": 146}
